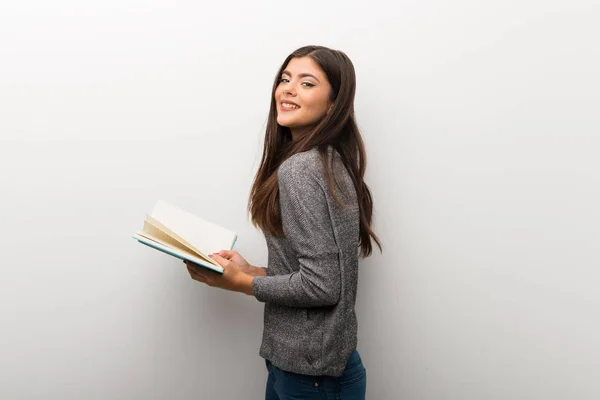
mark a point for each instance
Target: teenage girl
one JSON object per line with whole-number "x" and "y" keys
{"x": 310, "y": 200}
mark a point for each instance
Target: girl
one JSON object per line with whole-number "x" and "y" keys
{"x": 314, "y": 208}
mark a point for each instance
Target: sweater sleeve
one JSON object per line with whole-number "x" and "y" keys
{"x": 308, "y": 228}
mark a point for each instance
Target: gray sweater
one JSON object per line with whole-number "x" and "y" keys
{"x": 309, "y": 292}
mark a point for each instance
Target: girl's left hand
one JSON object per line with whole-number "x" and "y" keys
{"x": 233, "y": 278}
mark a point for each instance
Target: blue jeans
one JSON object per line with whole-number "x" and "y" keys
{"x": 284, "y": 385}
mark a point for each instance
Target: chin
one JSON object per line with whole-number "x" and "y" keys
{"x": 287, "y": 124}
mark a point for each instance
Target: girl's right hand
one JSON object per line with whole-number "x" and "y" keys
{"x": 235, "y": 257}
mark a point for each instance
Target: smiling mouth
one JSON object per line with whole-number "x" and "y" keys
{"x": 288, "y": 106}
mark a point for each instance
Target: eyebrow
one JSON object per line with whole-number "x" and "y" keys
{"x": 301, "y": 75}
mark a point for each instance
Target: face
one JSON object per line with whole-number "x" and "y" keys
{"x": 302, "y": 96}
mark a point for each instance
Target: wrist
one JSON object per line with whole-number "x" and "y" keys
{"x": 244, "y": 284}
{"x": 258, "y": 271}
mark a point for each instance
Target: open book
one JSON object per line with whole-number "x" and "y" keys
{"x": 184, "y": 235}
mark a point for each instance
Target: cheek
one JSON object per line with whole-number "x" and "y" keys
{"x": 316, "y": 105}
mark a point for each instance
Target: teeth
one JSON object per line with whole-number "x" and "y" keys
{"x": 287, "y": 105}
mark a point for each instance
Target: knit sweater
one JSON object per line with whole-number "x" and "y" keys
{"x": 309, "y": 292}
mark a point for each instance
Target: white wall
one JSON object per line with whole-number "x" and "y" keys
{"x": 481, "y": 123}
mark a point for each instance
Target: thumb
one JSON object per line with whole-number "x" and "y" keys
{"x": 219, "y": 259}
{"x": 226, "y": 253}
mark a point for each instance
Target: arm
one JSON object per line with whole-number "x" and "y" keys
{"x": 256, "y": 271}
{"x": 308, "y": 228}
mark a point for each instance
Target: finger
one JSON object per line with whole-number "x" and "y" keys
{"x": 228, "y": 254}
{"x": 220, "y": 260}
{"x": 193, "y": 265}
{"x": 190, "y": 263}
{"x": 198, "y": 277}
{"x": 193, "y": 272}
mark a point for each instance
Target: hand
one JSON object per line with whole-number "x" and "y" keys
{"x": 234, "y": 256}
{"x": 233, "y": 278}
{"x": 244, "y": 265}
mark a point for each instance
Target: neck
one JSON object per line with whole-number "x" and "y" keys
{"x": 299, "y": 133}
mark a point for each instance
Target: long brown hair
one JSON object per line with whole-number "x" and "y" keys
{"x": 337, "y": 129}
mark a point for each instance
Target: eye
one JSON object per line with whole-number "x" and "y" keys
{"x": 308, "y": 83}
{"x": 283, "y": 79}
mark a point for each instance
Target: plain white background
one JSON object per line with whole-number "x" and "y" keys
{"x": 481, "y": 124}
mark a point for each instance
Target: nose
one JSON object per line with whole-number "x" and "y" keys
{"x": 289, "y": 91}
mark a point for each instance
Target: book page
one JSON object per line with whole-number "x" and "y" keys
{"x": 183, "y": 255}
{"x": 154, "y": 230}
{"x": 199, "y": 233}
